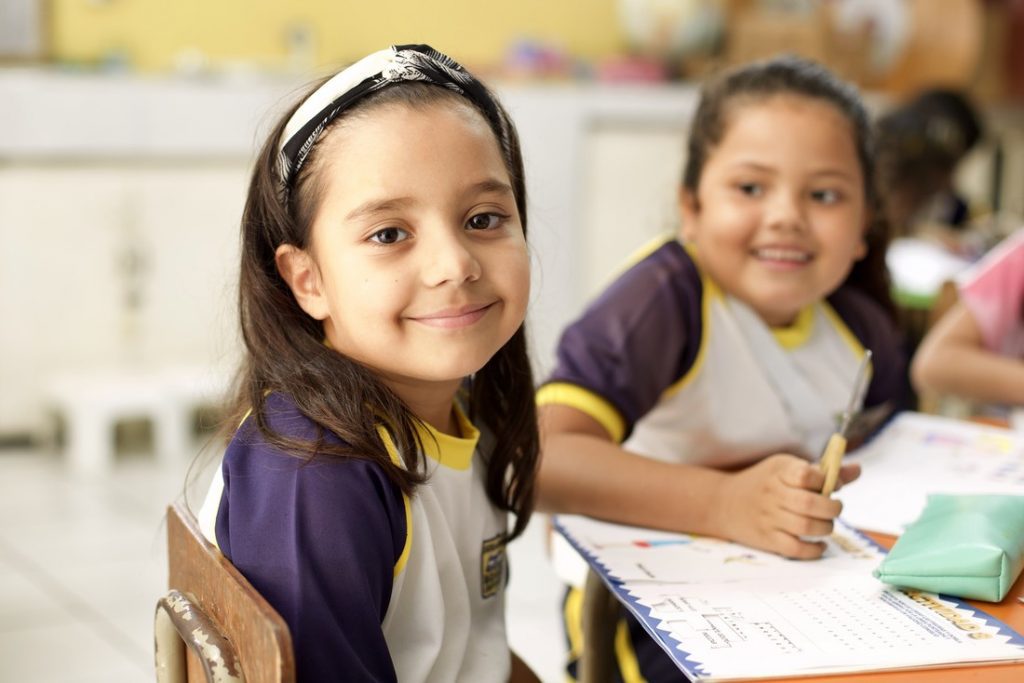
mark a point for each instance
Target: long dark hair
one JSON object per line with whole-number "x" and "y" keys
{"x": 790, "y": 75}
{"x": 285, "y": 351}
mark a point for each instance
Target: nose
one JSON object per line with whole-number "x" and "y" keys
{"x": 785, "y": 211}
{"x": 448, "y": 258}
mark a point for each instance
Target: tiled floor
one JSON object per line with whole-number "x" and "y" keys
{"x": 82, "y": 562}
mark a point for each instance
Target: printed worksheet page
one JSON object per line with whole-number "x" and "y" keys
{"x": 724, "y": 611}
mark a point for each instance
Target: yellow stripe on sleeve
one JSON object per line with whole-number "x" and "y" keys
{"x": 563, "y": 393}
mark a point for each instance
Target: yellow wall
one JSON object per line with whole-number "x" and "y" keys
{"x": 152, "y": 34}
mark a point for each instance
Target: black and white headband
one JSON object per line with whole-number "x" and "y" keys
{"x": 371, "y": 73}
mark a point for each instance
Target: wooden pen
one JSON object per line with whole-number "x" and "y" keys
{"x": 832, "y": 457}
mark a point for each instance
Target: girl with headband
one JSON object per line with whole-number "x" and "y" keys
{"x": 385, "y": 403}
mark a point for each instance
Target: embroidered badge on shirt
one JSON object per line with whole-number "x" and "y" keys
{"x": 492, "y": 565}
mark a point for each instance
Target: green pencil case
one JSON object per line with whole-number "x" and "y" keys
{"x": 967, "y": 546}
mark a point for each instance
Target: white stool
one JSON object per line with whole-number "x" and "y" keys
{"x": 93, "y": 403}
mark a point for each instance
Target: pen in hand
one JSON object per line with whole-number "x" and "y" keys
{"x": 832, "y": 457}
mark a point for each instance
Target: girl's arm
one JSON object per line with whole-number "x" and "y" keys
{"x": 769, "y": 505}
{"x": 952, "y": 359}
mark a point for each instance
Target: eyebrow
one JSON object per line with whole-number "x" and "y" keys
{"x": 375, "y": 206}
{"x": 834, "y": 172}
{"x": 490, "y": 185}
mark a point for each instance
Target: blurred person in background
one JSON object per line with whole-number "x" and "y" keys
{"x": 976, "y": 351}
{"x": 920, "y": 145}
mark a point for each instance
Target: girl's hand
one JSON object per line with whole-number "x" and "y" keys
{"x": 776, "y": 505}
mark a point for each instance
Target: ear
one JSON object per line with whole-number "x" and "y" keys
{"x": 862, "y": 249}
{"x": 862, "y": 243}
{"x": 300, "y": 273}
{"x": 689, "y": 211}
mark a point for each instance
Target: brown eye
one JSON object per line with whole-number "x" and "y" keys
{"x": 825, "y": 196}
{"x": 751, "y": 189}
{"x": 389, "y": 236}
{"x": 484, "y": 221}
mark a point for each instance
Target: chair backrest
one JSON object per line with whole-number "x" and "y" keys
{"x": 231, "y": 633}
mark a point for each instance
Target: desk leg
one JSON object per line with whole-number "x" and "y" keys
{"x": 89, "y": 440}
{"x": 600, "y": 617}
{"x": 172, "y": 431}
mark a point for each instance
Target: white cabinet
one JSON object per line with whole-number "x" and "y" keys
{"x": 632, "y": 176}
{"x": 114, "y": 266}
{"x": 189, "y": 220}
{"x": 58, "y": 289}
{"x": 119, "y": 220}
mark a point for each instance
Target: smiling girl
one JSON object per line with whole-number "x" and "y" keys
{"x": 384, "y": 264}
{"x": 695, "y": 393}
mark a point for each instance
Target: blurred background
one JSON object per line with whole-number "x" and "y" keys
{"x": 126, "y": 131}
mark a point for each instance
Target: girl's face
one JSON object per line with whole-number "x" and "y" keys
{"x": 780, "y": 213}
{"x": 418, "y": 264}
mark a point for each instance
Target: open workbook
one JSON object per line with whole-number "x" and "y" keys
{"x": 726, "y": 612}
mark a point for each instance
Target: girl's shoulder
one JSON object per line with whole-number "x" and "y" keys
{"x": 284, "y": 417}
{"x": 251, "y": 453}
{"x": 639, "y": 337}
{"x": 665, "y": 255}
{"x": 661, "y": 273}
{"x": 256, "y": 471}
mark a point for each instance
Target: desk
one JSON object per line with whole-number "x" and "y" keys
{"x": 600, "y": 613}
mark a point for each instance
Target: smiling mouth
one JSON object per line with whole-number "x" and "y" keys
{"x": 782, "y": 255}
{"x": 454, "y": 318}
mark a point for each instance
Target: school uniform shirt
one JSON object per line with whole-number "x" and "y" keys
{"x": 374, "y": 585}
{"x": 678, "y": 370}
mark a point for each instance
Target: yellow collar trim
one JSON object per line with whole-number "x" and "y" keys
{"x": 451, "y": 451}
{"x": 799, "y": 332}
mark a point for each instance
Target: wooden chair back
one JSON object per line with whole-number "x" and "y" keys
{"x": 212, "y": 625}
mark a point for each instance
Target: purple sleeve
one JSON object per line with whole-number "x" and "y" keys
{"x": 876, "y": 331}
{"x": 319, "y": 541}
{"x": 639, "y": 337}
